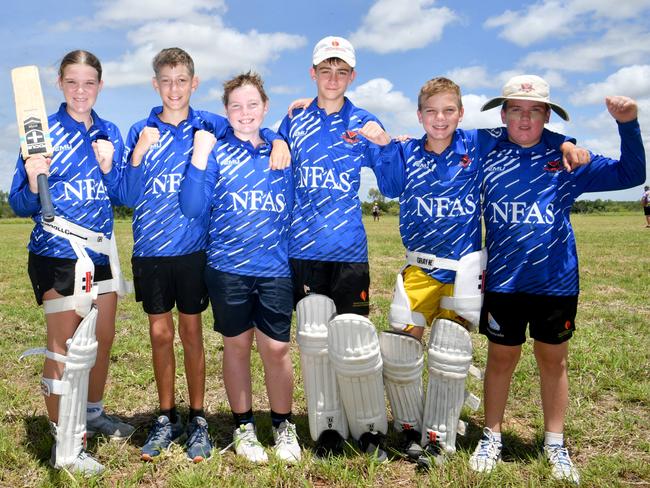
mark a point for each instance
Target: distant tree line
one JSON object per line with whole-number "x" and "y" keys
{"x": 387, "y": 207}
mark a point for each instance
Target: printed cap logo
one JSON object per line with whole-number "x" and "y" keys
{"x": 335, "y": 43}
{"x": 527, "y": 87}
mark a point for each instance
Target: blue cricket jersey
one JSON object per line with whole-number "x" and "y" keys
{"x": 527, "y": 198}
{"x": 80, "y": 192}
{"x": 249, "y": 206}
{"x": 159, "y": 226}
{"x": 327, "y": 156}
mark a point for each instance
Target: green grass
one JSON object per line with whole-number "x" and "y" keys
{"x": 607, "y": 423}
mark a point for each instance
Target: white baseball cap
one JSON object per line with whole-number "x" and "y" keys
{"x": 334, "y": 47}
{"x": 526, "y": 87}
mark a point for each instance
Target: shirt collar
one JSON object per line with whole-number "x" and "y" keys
{"x": 97, "y": 129}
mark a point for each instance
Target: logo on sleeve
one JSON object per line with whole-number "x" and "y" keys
{"x": 553, "y": 166}
{"x": 350, "y": 136}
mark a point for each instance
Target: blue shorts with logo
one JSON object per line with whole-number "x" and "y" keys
{"x": 240, "y": 303}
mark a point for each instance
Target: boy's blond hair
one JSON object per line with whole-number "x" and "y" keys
{"x": 439, "y": 85}
{"x": 172, "y": 56}
{"x": 250, "y": 78}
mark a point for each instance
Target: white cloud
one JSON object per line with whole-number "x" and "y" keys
{"x": 124, "y": 11}
{"x": 632, "y": 81}
{"x": 393, "y": 26}
{"x": 472, "y": 77}
{"x": 211, "y": 45}
{"x": 622, "y": 46}
{"x": 534, "y": 24}
{"x": 561, "y": 18}
{"x": 395, "y": 110}
{"x": 474, "y": 118}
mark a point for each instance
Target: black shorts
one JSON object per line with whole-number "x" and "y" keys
{"x": 161, "y": 282}
{"x": 240, "y": 303}
{"x": 346, "y": 283}
{"x": 646, "y": 210}
{"x": 46, "y": 273}
{"x": 504, "y": 317}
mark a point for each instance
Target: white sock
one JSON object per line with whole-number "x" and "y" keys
{"x": 553, "y": 438}
{"x": 496, "y": 435}
{"x": 94, "y": 409}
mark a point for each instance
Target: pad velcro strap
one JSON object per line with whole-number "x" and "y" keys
{"x": 461, "y": 303}
{"x": 71, "y": 302}
{"x": 430, "y": 261}
{"x": 50, "y": 386}
{"x": 114, "y": 285}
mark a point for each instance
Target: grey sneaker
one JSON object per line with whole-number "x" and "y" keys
{"x": 562, "y": 467}
{"x": 286, "y": 442}
{"x": 246, "y": 444}
{"x": 487, "y": 453}
{"x": 84, "y": 464}
{"x": 198, "y": 445}
{"x": 109, "y": 426}
{"x": 160, "y": 437}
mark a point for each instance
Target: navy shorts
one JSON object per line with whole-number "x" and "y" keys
{"x": 240, "y": 303}
{"x": 346, "y": 283}
{"x": 161, "y": 282}
{"x": 551, "y": 318}
{"x": 46, "y": 272}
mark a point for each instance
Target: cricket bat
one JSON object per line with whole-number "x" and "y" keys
{"x": 32, "y": 126}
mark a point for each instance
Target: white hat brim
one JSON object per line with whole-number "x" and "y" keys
{"x": 498, "y": 101}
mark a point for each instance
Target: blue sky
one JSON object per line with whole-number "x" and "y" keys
{"x": 586, "y": 49}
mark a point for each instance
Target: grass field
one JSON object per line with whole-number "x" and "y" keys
{"x": 607, "y": 425}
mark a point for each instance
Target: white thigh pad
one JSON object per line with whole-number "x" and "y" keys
{"x": 324, "y": 407}
{"x": 355, "y": 356}
{"x": 450, "y": 356}
{"x": 468, "y": 287}
{"x": 401, "y": 314}
{"x": 403, "y": 359}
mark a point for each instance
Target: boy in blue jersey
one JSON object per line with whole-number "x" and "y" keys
{"x": 327, "y": 244}
{"x": 532, "y": 272}
{"x": 247, "y": 273}
{"x": 169, "y": 248}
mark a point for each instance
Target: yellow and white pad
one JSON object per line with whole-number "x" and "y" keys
{"x": 468, "y": 287}
{"x": 403, "y": 359}
{"x": 356, "y": 358}
{"x": 401, "y": 316}
{"x": 324, "y": 406}
{"x": 450, "y": 358}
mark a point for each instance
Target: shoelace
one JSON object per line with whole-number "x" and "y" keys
{"x": 287, "y": 435}
{"x": 488, "y": 448}
{"x": 199, "y": 434}
{"x": 158, "y": 432}
{"x": 249, "y": 437}
{"x": 559, "y": 455}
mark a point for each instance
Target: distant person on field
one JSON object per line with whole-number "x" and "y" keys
{"x": 247, "y": 274}
{"x": 532, "y": 271}
{"x": 645, "y": 201}
{"x": 375, "y": 212}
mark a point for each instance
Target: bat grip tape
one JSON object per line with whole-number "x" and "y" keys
{"x": 46, "y": 198}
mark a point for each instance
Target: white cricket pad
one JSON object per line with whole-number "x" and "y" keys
{"x": 450, "y": 356}
{"x": 356, "y": 358}
{"x": 324, "y": 407}
{"x": 469, "y": 286}
{"x": 73, "y": 389}
{"x": 403, "y": 359}
{"x": 401, "y": 315}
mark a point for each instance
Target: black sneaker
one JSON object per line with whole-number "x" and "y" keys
{"x": 372, "y": 443}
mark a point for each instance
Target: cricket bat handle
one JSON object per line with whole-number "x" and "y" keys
{"x": 47, "y": 208}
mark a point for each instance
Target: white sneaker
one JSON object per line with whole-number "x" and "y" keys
{"x": 286, "y": 442}
{"x": 562, "y": 467}
{"x": 246, "y": 444}
{"x": 84, "y": 463}
{"x": 487, "y": 453}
